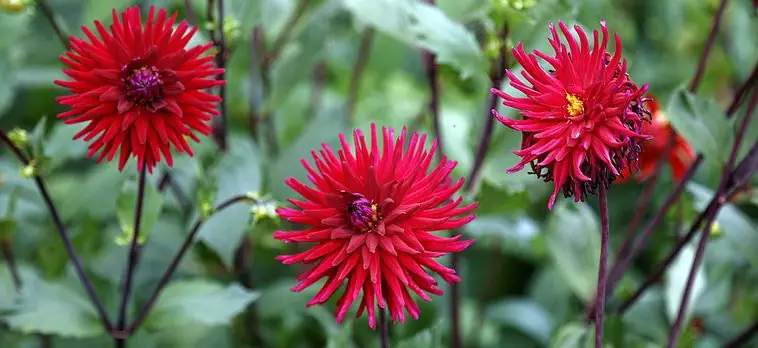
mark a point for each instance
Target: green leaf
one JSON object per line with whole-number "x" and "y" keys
{"x": 199, "y": 302}
{"x": 676, "y": 280}
{"x": 322, "y": 129}
{"x": 60, "y": 147}
{"x": 13, "y": 26}
{"x": 428, "y": 338}
{"x": 101, "y": 10}
{"x": 525, "y": 315}
{"x": 237, "y": 173}
{"x": 548, "y": 289}
{"x": 741, "y": 28}
{"x": 571, "y": 335}
{"x": 516, "y": 235}
{"x": 53, "y": 308}
{"x": 702, "y": 123}
{"x": 342, "y": 338}
{"x": 7, "y": 227}
{"x": 573, "y": 242}
{"x": 79, "y": 197}
{"x": 501, "y": 157}
{"x": 425, "y": 26}
{"x": 193, "y": 336}
{"x": 647, "y": 317}
{"x": 304, "y": 51}
{"x": 126, "y": 204}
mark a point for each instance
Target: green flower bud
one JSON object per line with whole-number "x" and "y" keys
{"x": 18, "y": 136}
{"x": 28, "y": 171}
{"x": 13, "y": 6}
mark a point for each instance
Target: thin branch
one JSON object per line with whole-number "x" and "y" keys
{"x": 742, "y": 91}
{"x": 257, "y": 55}
{"x": 676, "y": 327}
{"x": 167, "y": 180}
{"x": 10, "y": 261}
{"x": 63, "y": 234}
{"x": 708, "y": 46}
{"x": 726, "y": 187}
{"x": 49, "y": 14}
{"x": 705, "y": 233}
{"x": 317, "y": 88}
{"x": 600, "y": 293}
{"x": 432, "y": 79}
{"x": 741, "y": 339}
{"x": 673, "y": 197}
{"x": 364, "y": 51}
{"x": 497, "y": 76}
{"x": 286, "y": 32}
{"x": 644, "y": 201}
{"x": 132, "y": 260}
{"x": 189, "y": 13}
{"x": 142, "y": 315}
{"x": 220, "y": 128}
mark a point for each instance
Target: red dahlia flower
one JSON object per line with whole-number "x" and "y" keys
{"x": 370, "y": 214}
{"x": 139, "y": 89}
{"x": 582, "y": 119}
{"x": 680, "y": 156}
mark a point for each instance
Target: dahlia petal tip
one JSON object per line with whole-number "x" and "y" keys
{"x": 551, "y": 201}
{"x": 515, "y": 168}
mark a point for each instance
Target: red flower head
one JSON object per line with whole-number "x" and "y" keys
{"x": 370, "y": 215}
{"x": 581, "y": 119}
{"x": 138, "y": 88}
{"x": 680, "y": 156}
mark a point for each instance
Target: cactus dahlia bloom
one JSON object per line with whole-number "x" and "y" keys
{"x": 582, "y": 118}
{"x": 138, "y": 88}
{"x": 370, "y": 216}
{"x": 680, "y": 156}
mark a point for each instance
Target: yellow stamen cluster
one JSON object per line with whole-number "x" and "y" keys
{"x": 575, "y": 105}
{"x": 374, "y": 219}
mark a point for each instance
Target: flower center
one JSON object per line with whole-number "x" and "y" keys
{"x": 575, "y": 105}
{"x": 363, "y": 213}
{"x": 144, "y": 85}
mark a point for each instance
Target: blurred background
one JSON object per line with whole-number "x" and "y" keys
{"x": 333, "y": 65}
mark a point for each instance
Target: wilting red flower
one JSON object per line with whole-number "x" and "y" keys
{"x": 370, "y": 214}
{"x": 680, "y": 156}
{"x": 581, "y": 119}
{"x": 138, "y": 88}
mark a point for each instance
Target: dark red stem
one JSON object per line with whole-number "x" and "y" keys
{"x": 743, "y": 337}
{"x": 636, "y": 247}
{"x": 497, "y": 76}
{"x": 742, "y": 91}
{"x": 133, "y": 258}
{"x": 708, "y": 46}
{"x": 220, "y": 127}
{"x": 676, "y": 327}
{"x": 273, "y": 54}
{"x": 48, "y": 12}
{"x": 600, "y": 293}
{"x": 166, "y": 277}
{"x": 63, "y": 234}
{"x": 10, "y": 261}
{"x": 726, "y": 186}
{"x": 384, "y": 339}
{"x": 364, "y": 51}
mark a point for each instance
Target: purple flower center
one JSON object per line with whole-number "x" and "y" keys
{"x": 144, "y": 85}
{"x": 362, "y": 213}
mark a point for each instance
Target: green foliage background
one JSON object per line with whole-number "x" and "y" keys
{"x": 530, "y": 273}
